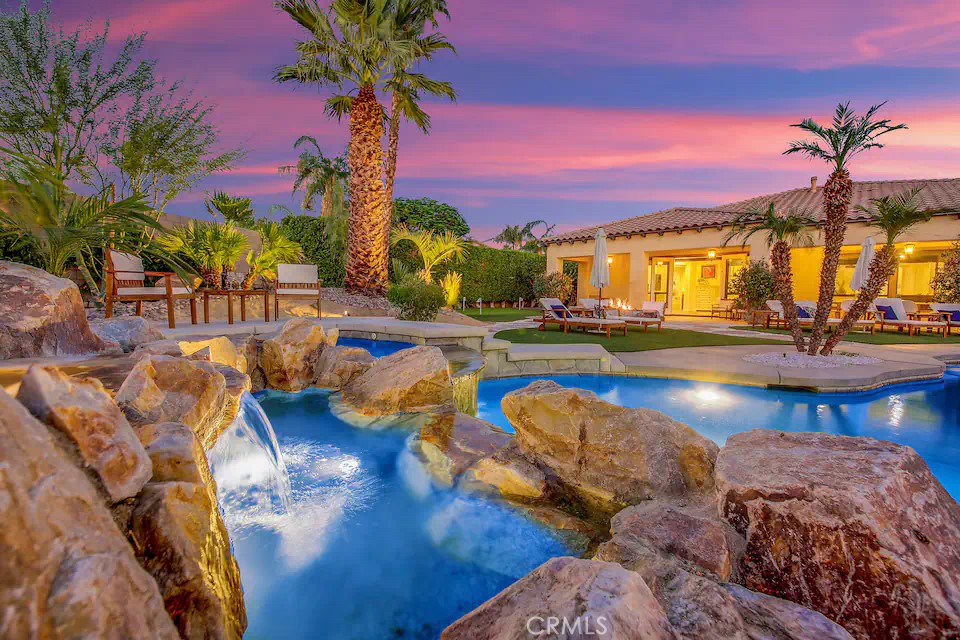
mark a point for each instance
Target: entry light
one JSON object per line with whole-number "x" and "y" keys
{"x": 711, "y": 253}
{"x": 908, "y": 249}
{"x": 903, "y": 256}
{"x": 609, "y": 260}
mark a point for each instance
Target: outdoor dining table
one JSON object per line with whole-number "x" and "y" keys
{"x": 243, "y": 294}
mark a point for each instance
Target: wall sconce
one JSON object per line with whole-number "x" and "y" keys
{"x": 908, "y": 249}
{"x": 609, "y": 260}
{"x": 711, "y": 253}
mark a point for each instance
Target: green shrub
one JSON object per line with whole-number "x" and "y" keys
{"x": 496, "y": 275}
{"x": 425, "y": 214}
{"x": 753, "y": 285}
{"x": 553, "y": 285}
{"x": 946, "y": 282}
{"x": 308, "y": 231}
{"x": 416, "y": 299}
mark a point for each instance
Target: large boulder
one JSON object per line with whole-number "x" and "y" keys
{"x": 181, "y": 539}
{"x": 692, "y": 534}
{"x": 43, "y": 315}
{"x": 568, "y": 598}
{"x": 66, "y": 571}
{"x": 510, "y": 473}
{"x": 165, "y": 389}
{"x": 221, "y": 350}
{"x": 129, "y": 332}
{"x": 856, "y": 528}
{"x": 451, "y": 442}
{"x": 412, "y": 380}
{"x": 288, "y": 359}
{"x": 336, "y": 367}
{"x": 611, "y": 455}
{"x": 81, "y": 410}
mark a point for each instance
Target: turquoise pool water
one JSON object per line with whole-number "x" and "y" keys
{"x": 924, "y": 416}
{"x": 377, "y": 348}
{"x": 369, "y": 547}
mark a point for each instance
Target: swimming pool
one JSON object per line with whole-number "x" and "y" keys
{"x": 377, "y": 348}
{"x": 369, "y": 547}
{"x": 925, "y": 416}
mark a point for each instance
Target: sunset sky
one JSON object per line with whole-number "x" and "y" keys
{"x": 582, "y": 112}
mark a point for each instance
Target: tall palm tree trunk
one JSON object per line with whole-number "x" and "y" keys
{"x": 326, "y": 202}
{"x": 882, "y": 266}
{"x": 368, "y": 234}
{"x": 390, "y": 170}
{"x": 836, "y": 200}
{"x": 783, "y": 289}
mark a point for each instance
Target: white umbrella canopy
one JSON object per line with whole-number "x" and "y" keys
{"x": 862, "y": 271}
{"x": 600, "y": 274}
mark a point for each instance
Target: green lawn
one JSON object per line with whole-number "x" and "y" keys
{"x": 886, "y": 337}
{"x": 501, "y": 315}
{"x": 636, "y": 339}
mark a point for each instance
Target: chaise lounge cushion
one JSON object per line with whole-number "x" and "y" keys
{"x": 888, "y": 312}
{"x": 561, "y": 312}
{"x": 151, "y": 291}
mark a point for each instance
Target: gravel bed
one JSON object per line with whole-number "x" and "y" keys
{"x": 797, "y": 360}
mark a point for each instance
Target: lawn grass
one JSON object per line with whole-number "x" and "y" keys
{"x": 636, "y": 339}
{"x": 885, "y": 337}
{"x": 501, "y": 315}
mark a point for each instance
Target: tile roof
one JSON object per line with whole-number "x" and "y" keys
{"x": 941, "y": 195}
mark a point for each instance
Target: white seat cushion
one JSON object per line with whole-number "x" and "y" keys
{"x": 297, "y": 292}
{"x": 151, "y": 291}
{"x": 297, "y": 274}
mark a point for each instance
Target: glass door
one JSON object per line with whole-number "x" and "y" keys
{"x": 660, "y": 280}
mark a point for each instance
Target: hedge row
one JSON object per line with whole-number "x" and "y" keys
{"x": 492, "y": 274}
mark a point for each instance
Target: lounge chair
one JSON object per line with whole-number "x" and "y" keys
{"x": 866, "y": 323}
{"x": 723, "y": 309}
{"x": 648, "y": 315}
{"x": 892, "y": 312}
{"x": 555, "y": 312}
{"x": 296, "y": 282}
{"x": 126, "y": 282}
{"x": 949, "y": 312}
{"x": 807, "y": 311}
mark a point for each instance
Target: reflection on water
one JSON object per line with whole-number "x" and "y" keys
{"x": 924, "y": 416}
{"x": 369, "y": 547}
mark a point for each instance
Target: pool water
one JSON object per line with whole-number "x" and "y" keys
{"x": 925, "y": 416}
{"x": 377, "y": 348}
{"x": 370, "y": 548}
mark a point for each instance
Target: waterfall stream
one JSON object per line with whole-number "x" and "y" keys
{"x": 247, "y": 462}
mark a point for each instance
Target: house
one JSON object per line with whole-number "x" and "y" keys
{"x": 678, "y": 255}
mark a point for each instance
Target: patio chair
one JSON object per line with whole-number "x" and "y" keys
{"x": 555, "y": 312}
{"x": 723, "y": 309}
{"x": 865, "y": 323}
{"x": 892, "y": 312}
{"x": 949, "y": 312}
{"x": 806, "y": 311}
{"x": 296, "y": 282}
{"x": 126, "y": 282}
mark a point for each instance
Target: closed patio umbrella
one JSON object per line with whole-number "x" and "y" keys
{"x": 600, "y": 274}
{"x": 862, "y": 271}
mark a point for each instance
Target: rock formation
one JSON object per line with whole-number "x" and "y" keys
{"x": 165, "y": 389}
{"x": 288, "y": 358}
{"x": 856, "y": 528}
{"x": 43, "y": 315}
{"x": 510, "y": 473}
{"x": 85, "y": 414}
{"x": 412, "y": 380}
{"x": 611, "y": 455}
{"x": 336, "y": 367}
{"x": 450, "y": 442}
{"x": 66, "y": 571}
{"x": 129, "y": 332}
{"x": 568, "y": 598}
{"x": 181, "y": 539}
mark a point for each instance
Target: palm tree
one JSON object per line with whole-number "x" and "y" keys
{"x": 359, "y": 44}
{"x": 318, "y": 175}
{"x": 520, "y": 238}
{"x": 893, "y": 215}
{"x": 276, "y": 248}
{"x": 38, "y": 210}
{"x": 238, "y": 211}
{"x": 784, "y": 230}
{"x": 212, "y": 246}
{"x": 407, "y": 87}
{"x": 435, "y": 248}
{"x": 848, "y": 136}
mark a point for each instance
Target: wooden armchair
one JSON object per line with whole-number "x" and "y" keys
{"x": 296, "y": 281}
{"x": 126, "y": 282}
